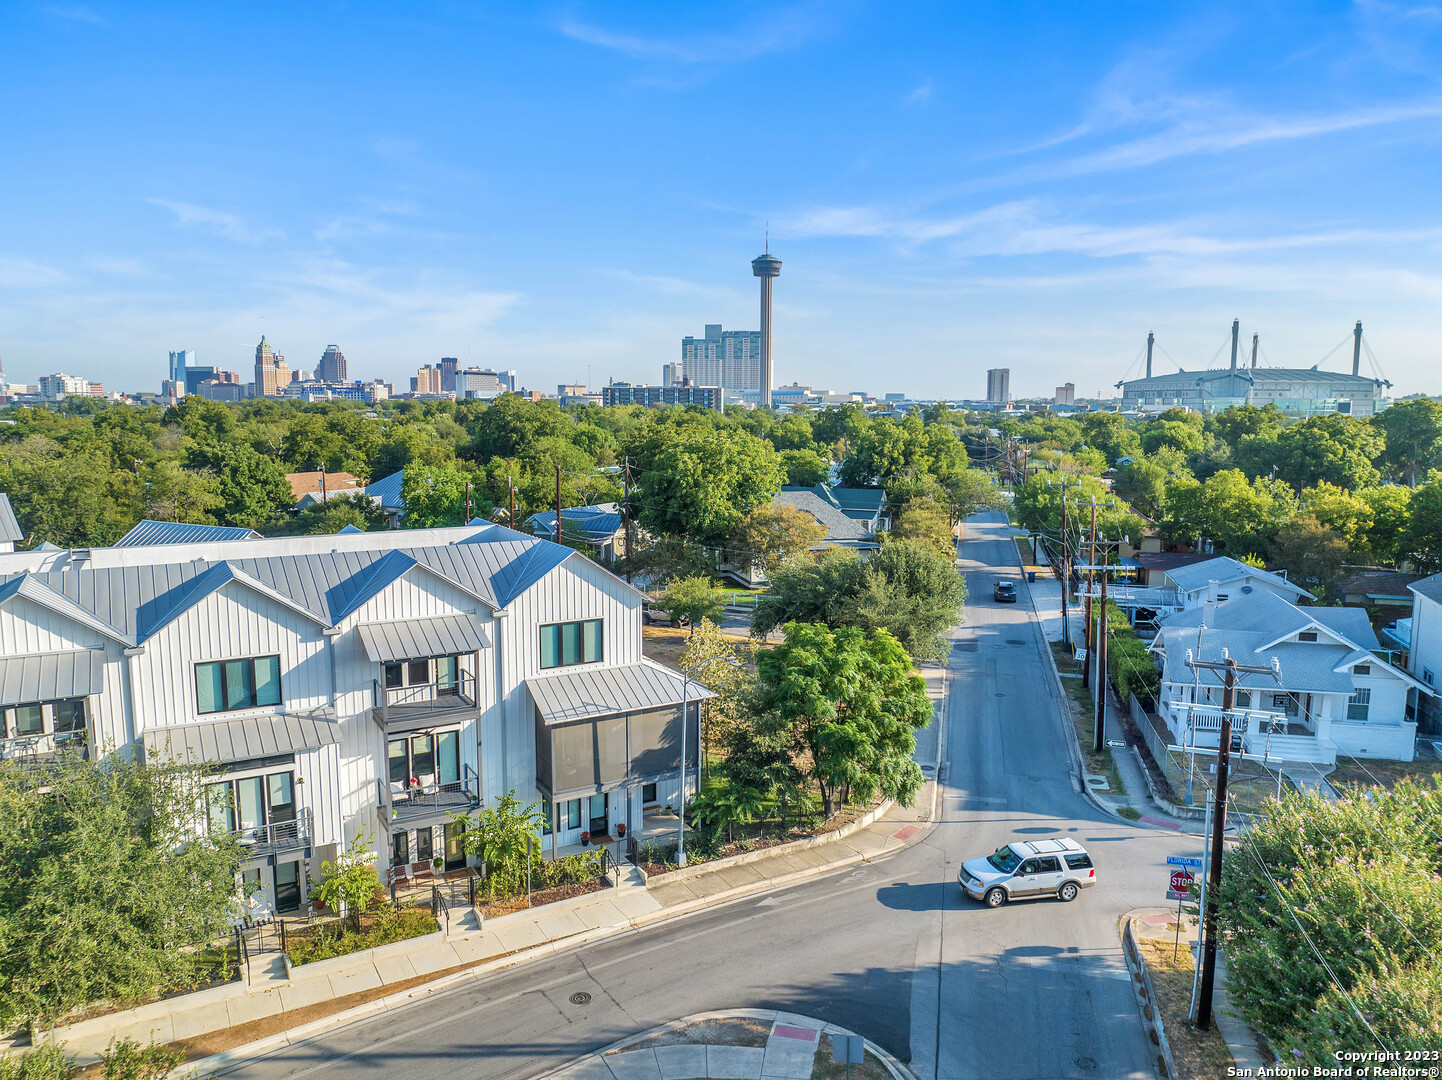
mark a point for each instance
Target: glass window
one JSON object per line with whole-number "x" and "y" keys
{"x": 1078, "y": 862}
{"x": 448, "y": 757}
{"x": 29, "y": 720}
{"x": 570, "y": 643}
{"x": 546, "y": 819}
{"x": 250, "y": 882}
{"x": 447, "y": 675}
{"x": 218, "y": 799}
{"x": 1048, "y": 865}
{"x": 648, "y": 793}
{"x": 418, "y": 672}
{"x": 550, "y": 646}
{"x": 423, "y": 759}
{"x": 400, "y": 769}
{"x": 221, "y": 685}
{"x": 395, "y": 676}
{"x": 573, "y": 814}
{"x": 287, "y": 886}
{"x": 425, "y": 852}
{"x": 400, "y": 849}
{"x": 1362, "y": 669}
{"x": 280, "y": 787}
{"x": 591, "y": 631}
{"x": 69, "y": 714}
{"x": 1358, "y": 704}
{"x": 248, "y": 809}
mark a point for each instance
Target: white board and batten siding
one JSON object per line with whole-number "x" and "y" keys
{"x": 577, "y": 589}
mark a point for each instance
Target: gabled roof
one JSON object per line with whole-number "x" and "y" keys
{"x": 165, "y": 609}
{"x": 9, "y": 527}
{"x": 1268, "y": 614}
{"x": 840, "y": 529}
{"x": 1429, "y": 587}
{"x": 31, "y": 587}
{"x": 1223, "y": 570}
{"x": 155, "y": 533}
{"x": 850, "y": 498}
{"x": 388, "y": 490}
{"x": 598, "y": 523}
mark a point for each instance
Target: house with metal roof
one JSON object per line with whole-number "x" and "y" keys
{"x": 600, "y": 525}
{"x": 1334, "y": 690}
{"x": 10, "y": 531}
{"x": 345, "y": 685}
{"x": 1421, "y": 637}
{"x": 842, "y": 530}
{"x": 387, "y": 494}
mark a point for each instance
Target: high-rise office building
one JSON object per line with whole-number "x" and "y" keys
{"x": 449, "y": 364}
{"x": 730, "y": 359}
{"x": 332, "y": 366}
{"x": 998, "y": 384}
{"x": 483, "y": 383}
{"x": 673, "y": 373}
{"x": 179, "y": 361}
{"x": 427, "y": 380}
{"x": 767, "y": 267}
{"x": 272, "y": 373}
{"x": 1065, "y": 395}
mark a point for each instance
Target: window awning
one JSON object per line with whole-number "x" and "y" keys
{"x": 47, "y": 676}
{"x": 445, "y": 635}
{"x": 241, "y": 739}
{"x": 593, "y": 690}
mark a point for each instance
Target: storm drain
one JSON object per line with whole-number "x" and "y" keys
{"x": 580, "y": 997}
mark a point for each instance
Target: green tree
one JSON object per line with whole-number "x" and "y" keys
{"x": 1421, "y": 542}
{"x": 849, "y": 706}
{"x": 1391, "y": 508}
{"x": 1340, "y": 449}
{"x": 1232, "y": 424}
{"x": 694, "y": 599}
{"x": 1358, "y": 881}
{"x": 772, "y": 533}
{"x": 804, "y": 468}
{"x": 969, "y": 491}
{"x": 1110, "y": 433}
{"x": 253, "y": 487}
{"x": 926, "y": 521}
{"x": 501, "y": 836}
{"x": 1413, "y": 431}
{"x": 719, "y": 664}
{"x": 1243, "y": 517}
{"x": 105, "y": 882}
{"x": 435, "y": 496}
{"x": 1037, "y": 506}
{"x": 349, "y": 885}
{"x": 906, "y": 588}
{"x": 1345, "y": 514}
{"x": 1313, "y": 555}
{"x": 1144, "y": 481}
{"x": 701, "y": 482}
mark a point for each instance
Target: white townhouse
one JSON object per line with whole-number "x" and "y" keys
{"x": 359, "y": 684}
{"x": 1337, "y": 693}
{"x": 1422, "y": 637}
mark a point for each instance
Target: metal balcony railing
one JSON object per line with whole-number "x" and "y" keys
{"x": 422, "y": 800}
{"x": 278, "y": 835}
{"x": 45, "y": 746}
{"x": 406, "y": 702}
{"x": 1135, "y": 595}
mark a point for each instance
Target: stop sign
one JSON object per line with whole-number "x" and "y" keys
{"x": 1181, "y": 881}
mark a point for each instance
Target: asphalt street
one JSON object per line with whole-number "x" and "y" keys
{"x": 1036, "y": 989}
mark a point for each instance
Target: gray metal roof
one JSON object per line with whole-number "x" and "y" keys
{"x": 1430, "y": 587}
{"x": 445, "y": 635}
{"x": 1268, "y": 614}
{"x": 590, "y": 691}
{"x": 153, "y": 533}
{"x": 241, "y": 739}
{"x": 9, "y": 527}
{"x": 49, "y": 676}
{"x": 597, "y": 523}
{"x": 1263, "y": 378}
{"x": 1223, "y": 570}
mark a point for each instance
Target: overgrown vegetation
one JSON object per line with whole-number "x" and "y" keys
{"x": 381, "y": 925}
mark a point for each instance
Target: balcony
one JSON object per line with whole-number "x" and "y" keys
{"x": 402, "y": 708}
{"x": 403, "y": 806}
{"x": 46, "y": 747}
{"x": 1137, "y": 596}
{"x": 277, "y": 836}
{"x": 1263, "y": 734}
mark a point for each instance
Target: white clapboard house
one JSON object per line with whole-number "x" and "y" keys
{"x": 360, "y": 684}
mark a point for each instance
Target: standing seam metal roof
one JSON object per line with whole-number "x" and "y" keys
{"x": 49, "y": 676}
{"x": 9, "y": 527}
{"x": 157, "y": 533}
{"x": 589, "y": 691}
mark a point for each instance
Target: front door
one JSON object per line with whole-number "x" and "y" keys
{"x": 597, "y": 810}
{"x": 287, "y": 886}
{"x": 400, "y": 849}
{"x": 424, "y": 854}
{"x": 455, "y": 853}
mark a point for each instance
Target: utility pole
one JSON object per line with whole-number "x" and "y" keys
{"x": 558, "y": 504}
{"x": 511, "y": 490}
{"x": 1230, "y": 669}
{"x": 468, "y": 502}
{"x": 1099, "y": 739}
{"x": 1087, "y": 629}
{"x": 626, "y": 510}
{"x": 1065, "y": 570}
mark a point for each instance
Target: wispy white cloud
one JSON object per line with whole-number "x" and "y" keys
{"x": 921, "y": 95}
{"x": 74, "y": 13}
{"x": 25, "y": 274}
{"x": 775, "y": 31}
{"x": 218, "y": 222}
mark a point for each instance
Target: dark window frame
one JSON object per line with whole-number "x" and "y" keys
{"x": 256, "y": 703}
{"x": 568, "y": 636}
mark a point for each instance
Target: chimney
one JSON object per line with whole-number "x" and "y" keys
{"x": 1236, "y": 324}
{"x": 1357, "y": 348}
{"x": 1254, "y": 352}
{"x": 1209, "y": 609}
{"x": 1150, "y": 338}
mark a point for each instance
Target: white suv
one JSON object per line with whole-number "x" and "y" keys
{"x": 1027, "y": 868}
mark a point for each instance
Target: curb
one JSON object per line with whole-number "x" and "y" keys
{"x": 897, "y": 1070}
{"x": 1146, "y": 994}
{"x": 237, "y": 1057}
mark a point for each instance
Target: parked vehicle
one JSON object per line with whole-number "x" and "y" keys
{"x": 1028, "y": 868}
{"x": 1004, "y": 592}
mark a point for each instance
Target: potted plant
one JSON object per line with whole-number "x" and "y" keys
{"x": 585, "y": 839}
{"x": 438, "y": 863}
{"x": 620, "y": 829}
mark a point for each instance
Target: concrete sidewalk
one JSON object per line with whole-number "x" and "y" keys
{"x": 793, "y": 1046}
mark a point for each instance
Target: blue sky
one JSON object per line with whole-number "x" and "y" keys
{"x": 573, "y": 188}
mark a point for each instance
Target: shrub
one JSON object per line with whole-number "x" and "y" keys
{"x": 42, "y": 1063}
{"x": 390, "y": 924}
{"x": 571, "y": 870}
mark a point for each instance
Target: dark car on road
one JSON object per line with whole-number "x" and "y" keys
{"x": 1004, "y": 592}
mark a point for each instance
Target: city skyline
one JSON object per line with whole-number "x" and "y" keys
{"x": 1148, "y": 170}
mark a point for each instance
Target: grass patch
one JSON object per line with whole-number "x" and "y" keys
{"x": 1023, "y": 551}
{"x": 1376, "y": 772}
{"x": 1249, "y": 786}
{"x": 382, "y": 926}
{"x": 1199, "y": 1055}
{"x": 1083, "y": 716}
{"x": 871, "y": 1067}
{"x": 1131, "y": 813}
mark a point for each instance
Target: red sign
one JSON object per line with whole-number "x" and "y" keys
{"x": 1181, "y": 881}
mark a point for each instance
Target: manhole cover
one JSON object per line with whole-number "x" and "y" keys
{"x": 1086, "y": 1063}
{"x": 997, "y": 694}
{"x": 580, "y": 997}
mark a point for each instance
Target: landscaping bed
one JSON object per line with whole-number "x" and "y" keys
{"x": 507, "y": 905}
{"x": 1375, "y": 772}
{"x": 1198, "y": 1055}
{"x": 380, "y": 926}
